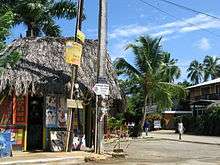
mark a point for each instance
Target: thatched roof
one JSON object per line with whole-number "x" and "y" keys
{"x": 42, "y": 66}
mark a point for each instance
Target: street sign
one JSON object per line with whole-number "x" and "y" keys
{"x": 101, "y": 89}
{"x": 74, "y": 104}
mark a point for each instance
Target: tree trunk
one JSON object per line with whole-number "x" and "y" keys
{"x": 30, "y": 31}
{"x": 144, "y": 111}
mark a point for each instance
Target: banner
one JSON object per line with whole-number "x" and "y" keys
{"x": 73, "y": 53}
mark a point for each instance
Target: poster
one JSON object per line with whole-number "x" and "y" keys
{"x": 73, "y": 53}
{"x": 51, "y": 112}
{"x": 57, "y": 140}
{"x": 61, "y": 116}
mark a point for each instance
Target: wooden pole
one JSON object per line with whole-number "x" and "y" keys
{"x": 70, "y": 133}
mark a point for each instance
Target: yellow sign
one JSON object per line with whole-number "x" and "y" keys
{"x": 73, "y": 52}
{"x": 74, "y": 104}
{"x": 81, "y": 36}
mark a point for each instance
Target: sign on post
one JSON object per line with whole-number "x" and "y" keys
{"x": 73, "y": 52}
{"x": 74, "y": 104}
{"x": 101, "y": 89}
{"x": 81, "y": 36}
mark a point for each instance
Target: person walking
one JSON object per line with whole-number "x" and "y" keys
{"x": 146, "y": 127}
{"x": 180, "y": 129}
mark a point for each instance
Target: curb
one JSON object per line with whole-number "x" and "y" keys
{"x": 40, "y": 161}
{"x": 188, "y": 141}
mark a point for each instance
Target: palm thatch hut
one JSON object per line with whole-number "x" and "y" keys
{"x": 34, "y": 92}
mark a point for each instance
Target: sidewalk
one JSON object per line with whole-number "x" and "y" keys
{"x": 75, "y": 157}
{"x": 171, "y": 135}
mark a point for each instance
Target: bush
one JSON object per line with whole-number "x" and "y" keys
{"x": 206, "y": 124}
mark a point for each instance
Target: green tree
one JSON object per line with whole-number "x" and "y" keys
{"x": 7, "y": 57}
{"x": 169, "y": 68}
{"x": 146, "y": 76}
{"x": 195, "y": 72}
{"x": 39, "y": 15}
{"x": 211, "y": 67}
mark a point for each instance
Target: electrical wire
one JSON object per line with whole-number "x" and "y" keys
{"x": 190, "y": 9}
{"x": 176, "y": 18}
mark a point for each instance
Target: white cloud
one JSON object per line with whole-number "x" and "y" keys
{"x": 128, "y": 31}
{"x": 203, "y": 44}
{"x": 162, "y": 33}
{"x": 195, "y": 23}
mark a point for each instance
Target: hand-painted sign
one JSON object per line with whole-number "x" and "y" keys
{"x": 74, "y": 103}
{"x": 73, "y": 53}
{"x": 101, "y": 89}
{"x": 81, "y": 36}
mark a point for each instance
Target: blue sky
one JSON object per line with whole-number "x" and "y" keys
{"x": 128, "y": 19}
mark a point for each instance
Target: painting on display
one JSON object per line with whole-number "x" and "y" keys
{"x": 51, "y": 112}
{"x": 57, "y": 140}
{"x": 61, "y": 113}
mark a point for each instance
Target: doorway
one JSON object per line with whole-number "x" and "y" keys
{"x": 35, "y": 124}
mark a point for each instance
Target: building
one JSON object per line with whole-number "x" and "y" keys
{"x": 204, "y": 94}
{"x": 33, "y": 94}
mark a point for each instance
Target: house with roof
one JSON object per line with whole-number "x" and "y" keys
{"x": 203, "y": 95}
{"x": 34, "y": 92}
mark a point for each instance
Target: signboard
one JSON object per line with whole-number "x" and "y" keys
{"x": 157, "y": 124}
{"x": 73, "y": 53}
{"x": 81, "y": 36}
{"x": 101, "y": 89}
{"x": 75, "y": 104}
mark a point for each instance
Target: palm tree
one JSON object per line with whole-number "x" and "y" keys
{"x": 211, "y": 67}
{"x": 145, "y": 75}
{"x": 195, "y": 72}
{"x": 39, "y": 15}
{"x": 7, "y": 57}
{"x": 169, "y": 68}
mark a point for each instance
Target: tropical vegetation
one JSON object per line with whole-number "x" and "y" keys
{"x": 209, "y": 69}
{"x": 7, "y": 57}
{"x": 148, "y": 81}
{"x": 39, "y": 15}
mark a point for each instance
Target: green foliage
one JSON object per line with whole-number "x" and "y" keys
{"x": 195, "y": 72}
{"x": 206, "y": 124}
{"x": 114, "y": 124}
{"x": 149, "y": 73}
{"x": 149, "y": 80}
{"x": 7, "y": 58}
{"x": 209, "y": 69}
{"x": 39, "y": 15}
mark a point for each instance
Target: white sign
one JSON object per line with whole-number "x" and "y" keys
{"x": 101, "y": 89}
{"x": 157, "y": 124}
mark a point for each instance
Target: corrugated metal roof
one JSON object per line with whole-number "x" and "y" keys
{"x": 217, "y": 80}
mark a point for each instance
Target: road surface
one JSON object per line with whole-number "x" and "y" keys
{"x": 165, "y": 152}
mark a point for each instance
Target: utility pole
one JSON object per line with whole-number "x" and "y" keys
{"x": 101, "y": 75}
{"x": 74, "y": 68}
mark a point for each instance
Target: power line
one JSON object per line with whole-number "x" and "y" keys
{"x": 190, "y": 9}
{"x": 176, "y": 18}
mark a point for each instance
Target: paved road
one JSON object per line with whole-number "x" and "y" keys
{"x": 170, "y": 134}
{"x": 144, "y": 152}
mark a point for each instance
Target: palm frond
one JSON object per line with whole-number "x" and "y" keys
{"x": 64, "y": 9}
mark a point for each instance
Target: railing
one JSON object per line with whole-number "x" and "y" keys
{"x": 213, "y": 96}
